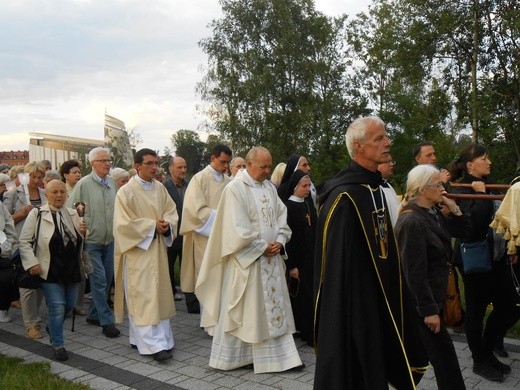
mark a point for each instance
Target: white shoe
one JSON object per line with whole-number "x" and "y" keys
{"x": 4, "y": 317}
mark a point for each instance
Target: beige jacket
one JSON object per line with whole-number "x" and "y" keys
{"x": 43, "y": 255}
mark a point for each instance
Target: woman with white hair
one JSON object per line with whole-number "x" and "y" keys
{"x": 424, "y": 236}
{"x": 4, "y": 179}
{"x": 120, "y": 176}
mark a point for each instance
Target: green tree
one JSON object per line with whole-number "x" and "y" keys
{"x": 277, "y": 77}
{"x": 188, "y": 145}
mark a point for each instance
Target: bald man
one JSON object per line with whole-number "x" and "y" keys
{"x": 241, "y": 283}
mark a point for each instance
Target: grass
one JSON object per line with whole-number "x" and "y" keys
{"x": 15, "y": 374}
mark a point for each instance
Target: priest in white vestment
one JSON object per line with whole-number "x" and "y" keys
{"x": 145, "y": 220}
{"x": 198, "y": 213}
{"x": 241, "y": 284}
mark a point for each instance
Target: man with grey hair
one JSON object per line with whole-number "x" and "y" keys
{"x": 366, "y": 329}
{"x": 98, "y": 192}
{"x": 235, "y": 165}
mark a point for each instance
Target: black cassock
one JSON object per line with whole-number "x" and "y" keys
{"x": 365, "y": 329}
{"x": 301, "y": 218}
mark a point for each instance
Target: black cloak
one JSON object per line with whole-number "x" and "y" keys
{"x": 366, "y": 334}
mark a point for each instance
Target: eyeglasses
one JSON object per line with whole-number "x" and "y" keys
{"x": 223, "y": 162}
{"x": 437, "y": 185}
{"x": 304, "y": 165}
{"x": 392, "y": 162}
{"x": 103, "y": 161}
{"x": 150, "y": 163}
{"x": 241, "y": 166}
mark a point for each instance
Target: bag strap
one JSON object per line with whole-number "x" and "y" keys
{"x": 35, "y": 240}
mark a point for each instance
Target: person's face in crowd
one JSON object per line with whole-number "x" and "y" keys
{"x": 3, "y": 188}
{"x": 432, "y": 192}
{"x": 5, "y": 170}
{"x": 479, "y": 167}
{"x": 101, "y": 164}
{"x": 47, "y": 166}
{"x": 427, "y": 155}
{"x": 73, "y": 176}
{"x": 387, "y": 169}
{"x": 35, "y": 179}
{"x": 56, "y": 193}
{"x": 260, "y": 168}
{"x": 220, "y": 163}
{"x": 121, "y": 182}
{"x": 238, "y": 163}
{"x": 178, "y": 169}
{"x": 303, "y": 189}
{"x": 148, "y": 168}
{"x": 303, "y": 165}
{"x": 375, "y": 148}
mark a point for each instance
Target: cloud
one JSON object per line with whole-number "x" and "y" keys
{"x": 64, "y": 62}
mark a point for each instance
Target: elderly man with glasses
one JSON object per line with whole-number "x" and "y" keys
{"x": 98, "y": 192}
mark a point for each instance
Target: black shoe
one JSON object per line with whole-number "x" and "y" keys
{"x": 111, "y": 331}
{"x": 162, "y": 356}
{"x": 93, "y": 322}
{"x": 487, "y": 371}
{"x": 61, "y": 354}
{"x": 194, "y": 310}
{"x": 297, "y": 368}
{"x": 133, "y": 346}
{"x": 503, "y": 368}
{"x": 500, "y": 351}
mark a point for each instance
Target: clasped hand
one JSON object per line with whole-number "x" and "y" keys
{"x": 272, "y": 249}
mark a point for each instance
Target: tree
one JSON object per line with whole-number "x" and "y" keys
{"x": 187, "y": 144}
{"x": 276, "y": 77}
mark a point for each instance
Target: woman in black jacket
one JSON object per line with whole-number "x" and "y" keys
{"x": 424, "y": 237}
{"x": 473, "y": 166}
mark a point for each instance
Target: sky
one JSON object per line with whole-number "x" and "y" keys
{"x": 64, "y": 63}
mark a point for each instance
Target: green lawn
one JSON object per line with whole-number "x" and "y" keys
{"x": 15, "y": 374}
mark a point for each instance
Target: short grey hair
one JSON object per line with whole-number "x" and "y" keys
{"x": 356, "y": 132}
{"x": 51, "y": 175}
{"x": 94, "y": 152}
{"x": 4, "y": 178}
{"x": 118, "y": 173}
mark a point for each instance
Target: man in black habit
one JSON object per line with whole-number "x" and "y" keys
{"x": 365, "y": 333}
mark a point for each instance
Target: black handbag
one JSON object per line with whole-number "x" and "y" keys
{"x": 24, "y": 279}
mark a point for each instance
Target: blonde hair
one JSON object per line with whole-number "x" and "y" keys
{"x": 418, "y": 178}
{"x": 276, "y": 176}
{"x": 14, "y": 171}
{"x": 35, "y": 167}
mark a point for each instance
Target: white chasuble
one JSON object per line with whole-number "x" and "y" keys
{"x": 271, "y": 271}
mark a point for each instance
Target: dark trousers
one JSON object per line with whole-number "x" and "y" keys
{"x": 8, "y": 294}
{"x": 173, "y": 252}
{"x": 482, "y": 289}
{"x": 442, "y": 356}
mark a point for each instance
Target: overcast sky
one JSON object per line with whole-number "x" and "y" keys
{"x": 64, "y": 62}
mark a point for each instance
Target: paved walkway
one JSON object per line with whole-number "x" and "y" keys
{"x": 106, "y": 364}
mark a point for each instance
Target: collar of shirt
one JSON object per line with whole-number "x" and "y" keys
{"x": 104, "y": 182}
{"x": 217, "y": 175}
{"x": 258, "y": 184}
{"x": 297, "y": 199}
{"x": 146, "y": 185}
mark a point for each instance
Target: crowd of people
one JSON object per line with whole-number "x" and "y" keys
{"x": 354, "y": 270}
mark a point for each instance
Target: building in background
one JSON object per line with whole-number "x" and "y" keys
{"x": 116, "y": 139}
{"x": 60, "y": 148}
{"x": 12, "y": 158}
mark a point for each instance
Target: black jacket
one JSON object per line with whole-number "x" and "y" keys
{"x": 425, "y": 248}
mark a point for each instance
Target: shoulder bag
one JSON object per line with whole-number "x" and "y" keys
{"x": 24, "y": 277}
{"x": 476, "y": 257}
